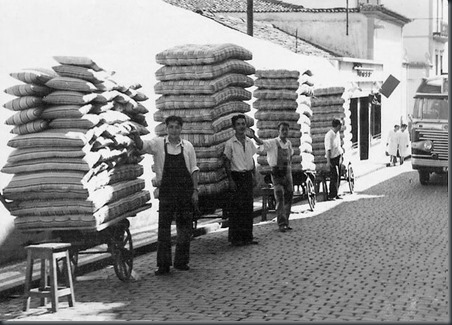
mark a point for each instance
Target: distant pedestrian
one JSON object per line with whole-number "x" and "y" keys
{"x": 392, "y": 145}
{"x": 333, "y": 154}
{"x": 177, "y": 178}
{"x": 403, "y": 140}
{"x": 279, "y": 155}
{"x": 240, "y": 168}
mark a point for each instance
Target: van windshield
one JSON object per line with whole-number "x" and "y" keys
{"x": 431, "y": 108}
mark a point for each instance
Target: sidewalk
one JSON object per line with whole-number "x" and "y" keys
{"x": 12, "y": 276}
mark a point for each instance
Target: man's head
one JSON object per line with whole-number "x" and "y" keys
{"x": 403, "y": 127}
{"x": 336, "y": 124}
{"x": 396, "y": 127}
{"x": 239, "y": 124}
{"x": 174, "y": 126}
{"x": 283, "y": 129}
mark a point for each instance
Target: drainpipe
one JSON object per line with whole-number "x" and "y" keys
{"x": 249, "y": 17}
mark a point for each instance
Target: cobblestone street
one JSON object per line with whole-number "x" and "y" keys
{"x": 380, "y": 254}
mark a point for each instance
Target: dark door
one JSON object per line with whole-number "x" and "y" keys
{"x": 364, "y": 138}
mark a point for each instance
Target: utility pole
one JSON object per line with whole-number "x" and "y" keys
{"x": 296, "y": 40}
{"x": 346, "y": 18}
{"x": 249, "y": 17}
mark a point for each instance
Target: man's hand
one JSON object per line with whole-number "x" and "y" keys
{"x": 195, "y": 198}
{"x": 250, "y": 133}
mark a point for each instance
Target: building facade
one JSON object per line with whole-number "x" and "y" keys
{"x": 425, "y": 41}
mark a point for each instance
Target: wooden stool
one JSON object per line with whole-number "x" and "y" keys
{"x": 48, "y": 252}
{"x": 266, "y": 193}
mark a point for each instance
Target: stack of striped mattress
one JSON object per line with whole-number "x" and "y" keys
{"x": 206, "y": 86}
{"x": 276, "y": 102}
{"x": 304, "y": 108}
{"x": 327, "y": 104}
{"x": 74, "y": 164}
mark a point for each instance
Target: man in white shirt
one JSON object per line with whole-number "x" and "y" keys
{"x": 177, "y": 181}
{"x": 240, "y": 168}
{"x": 392, "y": 145}
{"x": 279, "y": 156}
{"x": 403, "y": 140}
{"x": 333, "y": 154}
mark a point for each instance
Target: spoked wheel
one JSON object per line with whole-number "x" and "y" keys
{"x": 351, "y": 178}
{"x": 310, "y": 191}
{"x": 122, "y": 252}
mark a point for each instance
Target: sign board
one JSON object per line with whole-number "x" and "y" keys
{"x": 389, "y": 85}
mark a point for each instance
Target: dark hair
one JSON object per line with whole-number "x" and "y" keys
{"x": 404, "y": 125}
{"x": 237, "y": 117}
{"x": 174, "y": 118}
{"x": 336, "y": 122}
{"x": 283, "y": 124}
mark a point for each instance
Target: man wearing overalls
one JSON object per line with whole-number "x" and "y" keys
{"x": 279, "y": 156}
{"x": 177, "y": 181}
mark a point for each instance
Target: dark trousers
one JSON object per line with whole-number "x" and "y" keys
{"x": 241, "y": 208}
{"x": 182, "y": 212}
{"x": 335, "y": 176}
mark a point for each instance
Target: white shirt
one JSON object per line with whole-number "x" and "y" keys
{"x": 156, "y": 147}
{"x": 241, "y": 160}
{"x": 271, "y": 147}
{"x": 333, "y": 143}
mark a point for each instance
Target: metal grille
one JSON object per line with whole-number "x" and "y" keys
{"x": 440, "y": 142}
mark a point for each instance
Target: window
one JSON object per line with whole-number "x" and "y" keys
{"x": 375, "y": 117}
{"x": 431, "y": 108}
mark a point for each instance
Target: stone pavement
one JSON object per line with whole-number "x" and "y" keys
{"x": 354, "y": 259}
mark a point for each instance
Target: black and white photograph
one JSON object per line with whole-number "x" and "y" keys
{"x": 224, "y": 161}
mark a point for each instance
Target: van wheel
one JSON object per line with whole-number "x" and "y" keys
{"x": 424, "y": 177}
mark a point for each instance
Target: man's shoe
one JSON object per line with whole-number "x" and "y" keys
{"x": 183, "y": 267}
{"x": 331, "y": 198}
{"x": 162, "y": 270}
{"x": 288, "y": 228}
{"x": 251, "y": 242}
{"x": 338, "y": 197}
{"x": 282, "y": 229}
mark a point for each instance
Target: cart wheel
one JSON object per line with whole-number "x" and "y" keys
{"x": 310, "y": 191}
{"x": 351, "y": 178}
{"x": 122, "y": 253}
{"x": 73, "y": 257}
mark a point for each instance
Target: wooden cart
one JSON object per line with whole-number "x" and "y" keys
{"x": 114, "y": 233}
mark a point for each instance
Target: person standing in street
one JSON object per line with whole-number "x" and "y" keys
{"x": 333, "y": 154}
{"x": 403, "y": 140}
{"x": 392, "y": 145}
{"x": 177, "y": 181}
{"x": 279, "y": 155}
{"x": 240, "y": 168}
